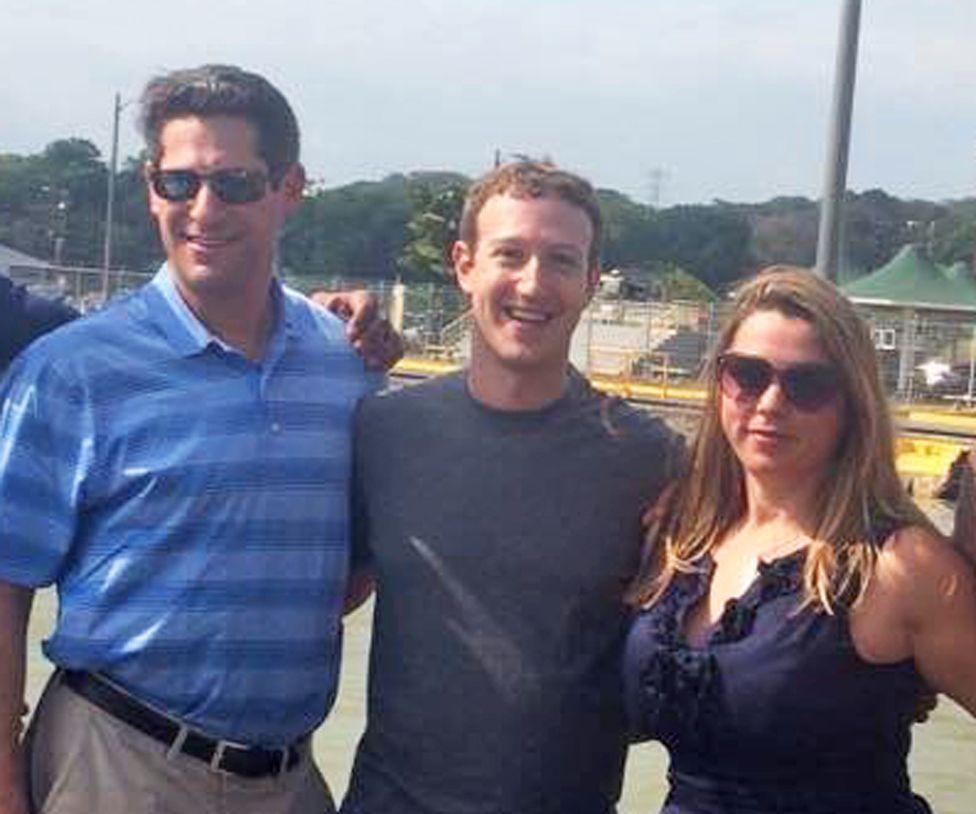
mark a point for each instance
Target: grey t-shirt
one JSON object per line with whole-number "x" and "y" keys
{"x": 501, "y": 544}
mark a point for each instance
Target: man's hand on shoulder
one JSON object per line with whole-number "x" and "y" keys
{"x": 372, "y": 336}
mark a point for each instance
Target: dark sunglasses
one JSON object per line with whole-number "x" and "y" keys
{"x": 231, "y": 186}
{"x": 807, "y": 386}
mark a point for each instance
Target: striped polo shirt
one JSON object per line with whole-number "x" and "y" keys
{"x": 191, "y": 506}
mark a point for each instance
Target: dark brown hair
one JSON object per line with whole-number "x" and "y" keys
{"x": 223, "y": 90}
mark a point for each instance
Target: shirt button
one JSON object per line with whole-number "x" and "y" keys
{"x": 275, "y": 427}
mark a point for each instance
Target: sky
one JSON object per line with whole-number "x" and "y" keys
{"x": 716, "y": 99}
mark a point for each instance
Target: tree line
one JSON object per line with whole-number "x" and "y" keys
{"x": 52, "y": 205}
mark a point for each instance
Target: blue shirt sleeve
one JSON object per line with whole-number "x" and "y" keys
{"x": 46, "y": 452}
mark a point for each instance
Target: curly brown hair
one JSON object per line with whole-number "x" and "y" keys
{"x": 532, "y": 179}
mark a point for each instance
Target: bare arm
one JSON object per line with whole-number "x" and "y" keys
{"x": 15, "y": 605}
{"x": 359, "y": 588}
{"x": 936, "y": 596}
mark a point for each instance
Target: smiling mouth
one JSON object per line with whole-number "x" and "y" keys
{"x": 207, "y": 241}
{"x": 768, "y": 434}
{"x": 530, "y": 316}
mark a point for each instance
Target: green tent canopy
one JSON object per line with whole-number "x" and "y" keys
{"x": 911, "y": 279}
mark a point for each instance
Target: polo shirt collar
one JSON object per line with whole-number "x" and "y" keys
{"x": 189, "y": 336}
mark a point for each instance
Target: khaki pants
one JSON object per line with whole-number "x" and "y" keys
{"x": 84, "y": 761}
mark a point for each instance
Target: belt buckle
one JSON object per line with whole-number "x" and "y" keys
{"x": 222, "y": 746}
{"x": 217, "y": 757}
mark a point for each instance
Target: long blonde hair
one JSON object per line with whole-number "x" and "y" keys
{"x": 862, "y": 493}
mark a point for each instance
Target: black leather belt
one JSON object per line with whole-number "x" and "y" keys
{"x": 245, "y": 761}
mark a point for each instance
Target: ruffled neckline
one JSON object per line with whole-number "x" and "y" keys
{"x": 774, "y": 578}
{"x": 678, "y": 682}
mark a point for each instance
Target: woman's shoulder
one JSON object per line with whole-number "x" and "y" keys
{"x": 921, "y": 570}
{"x": 918, "y": 549}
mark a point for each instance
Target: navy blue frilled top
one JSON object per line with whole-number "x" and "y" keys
{"x": 776, "y": 712}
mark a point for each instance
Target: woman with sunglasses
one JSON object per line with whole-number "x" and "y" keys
{"x": 795, "y": 603}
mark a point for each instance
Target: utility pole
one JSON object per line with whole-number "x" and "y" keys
{"x": 110, "y": 200}
{"x": 838, "y": 143}
{"x": 655, "y": 181}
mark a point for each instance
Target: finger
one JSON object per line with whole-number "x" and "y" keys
{"x": 335, "y": 302}
{"x": 364, "y": 313}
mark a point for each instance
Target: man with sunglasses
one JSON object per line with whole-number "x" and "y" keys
{"x": 177, "y": 464}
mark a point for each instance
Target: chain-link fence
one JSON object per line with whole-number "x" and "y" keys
{"x": 85, "y": 288}
{"x": 431, "y": 316}
{"x": 925, "y": 355}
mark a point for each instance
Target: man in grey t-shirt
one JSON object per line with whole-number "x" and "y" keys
{"x": 500, "y": 515}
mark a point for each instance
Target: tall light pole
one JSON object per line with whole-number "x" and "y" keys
{"x": 110, "y": 199}
{"x": 839, "y": 139}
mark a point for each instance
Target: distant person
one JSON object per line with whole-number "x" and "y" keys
{"x": 796, "y": 602}
{"x": 499, "y": 513}
{"x": 177, "y": 464}
{"x": 24, "y": 317}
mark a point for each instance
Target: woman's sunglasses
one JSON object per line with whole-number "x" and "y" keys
{"x": 807, "y": 386}
{"x": 231, "y": 186}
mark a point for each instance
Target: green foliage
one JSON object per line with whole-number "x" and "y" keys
{"x": 402, "y": 225}
{"x": 435, "y": 214}
{"x": 352, "y": 231}
{"x": 875, "y": 226}
{"x": 711, "y": 242}
{"x": 630, "y": 233}
{"x": 661, "y": 281}
{"x": 678, "y": 284}
{"x": 50, "y": 202}
{"x": 955, "y": 238}
{"x": 55, "y": 201}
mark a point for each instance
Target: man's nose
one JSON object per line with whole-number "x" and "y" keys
{"x": 205, "y": 204}
{"x": 530, "y": 277}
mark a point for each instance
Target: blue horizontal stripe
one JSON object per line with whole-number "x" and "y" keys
{"x": 135, "y": 591}
{"x": 179, "y": 482}
{"x": 281, "y": 535}
{"x": 184, "y": 656}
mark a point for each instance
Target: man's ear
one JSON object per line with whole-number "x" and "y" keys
{"x": 293, "y": 185}
{"x": 151, "y": 198}
{"x": 462, "y": 258}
